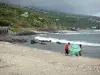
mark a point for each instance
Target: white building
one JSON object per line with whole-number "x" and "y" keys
{"x": 25, "y": 14}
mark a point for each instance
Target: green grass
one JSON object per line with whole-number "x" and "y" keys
{"x": 15, "y": 29}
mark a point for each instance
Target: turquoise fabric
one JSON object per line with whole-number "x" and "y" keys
{"x": 73, "y": 48}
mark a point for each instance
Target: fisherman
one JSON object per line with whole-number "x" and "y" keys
{"x": 80, "y": 52}
{"x": 66, "y": 49}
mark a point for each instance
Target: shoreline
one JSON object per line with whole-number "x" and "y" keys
{"x": 16, "y": 59}
{"x": 30, "y": 41}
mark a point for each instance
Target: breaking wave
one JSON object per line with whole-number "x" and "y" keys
{"x": 54, "y": 40}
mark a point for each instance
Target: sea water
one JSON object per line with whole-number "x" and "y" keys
{"x": 89, "y": 39}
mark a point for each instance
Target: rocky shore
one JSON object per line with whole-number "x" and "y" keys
{"x": 16, "y": 37}
{"x": 12, "y": 39}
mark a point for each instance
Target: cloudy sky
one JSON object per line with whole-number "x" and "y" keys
{"x": 87, "y": 7}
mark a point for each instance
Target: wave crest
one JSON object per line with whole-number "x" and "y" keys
{"x": 54, "y": 40}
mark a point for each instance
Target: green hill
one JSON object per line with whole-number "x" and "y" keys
{"x": 22, "y": 17}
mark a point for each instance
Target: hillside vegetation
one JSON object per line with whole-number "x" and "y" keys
{"x": 22, "y": 17}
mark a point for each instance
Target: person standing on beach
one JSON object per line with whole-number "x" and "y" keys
{"x": 80, "y": 52}
{"x": 66, "y": 49}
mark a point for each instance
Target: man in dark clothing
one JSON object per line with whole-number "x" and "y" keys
{"x": 80, "y": 52}
{"x": 66, "y": 49}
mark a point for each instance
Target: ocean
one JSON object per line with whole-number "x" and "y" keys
{"x": 89, "y": 39}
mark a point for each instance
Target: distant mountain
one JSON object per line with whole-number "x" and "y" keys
{"x": 18, "y": 16}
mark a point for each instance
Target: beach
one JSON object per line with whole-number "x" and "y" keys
{"x": 16, "y": 59}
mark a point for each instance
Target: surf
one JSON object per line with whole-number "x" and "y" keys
{"x": 63, "y": 41}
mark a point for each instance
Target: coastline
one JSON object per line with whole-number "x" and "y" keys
{"x": 16, "y": 59}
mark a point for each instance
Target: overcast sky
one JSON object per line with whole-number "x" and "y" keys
{"x": 87, "y": 7}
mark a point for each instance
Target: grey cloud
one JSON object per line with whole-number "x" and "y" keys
{"x": 69, "y": 6}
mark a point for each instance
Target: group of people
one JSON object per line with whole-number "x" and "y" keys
{"x": 67, "y": 51}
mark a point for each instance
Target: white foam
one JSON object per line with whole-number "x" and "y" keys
{"x": 77, "y": 33}
{"x": 66, "y": 41}
{"x": 97, "y": 30}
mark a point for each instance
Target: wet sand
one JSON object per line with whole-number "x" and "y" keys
{"x": 16, "y": 59}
